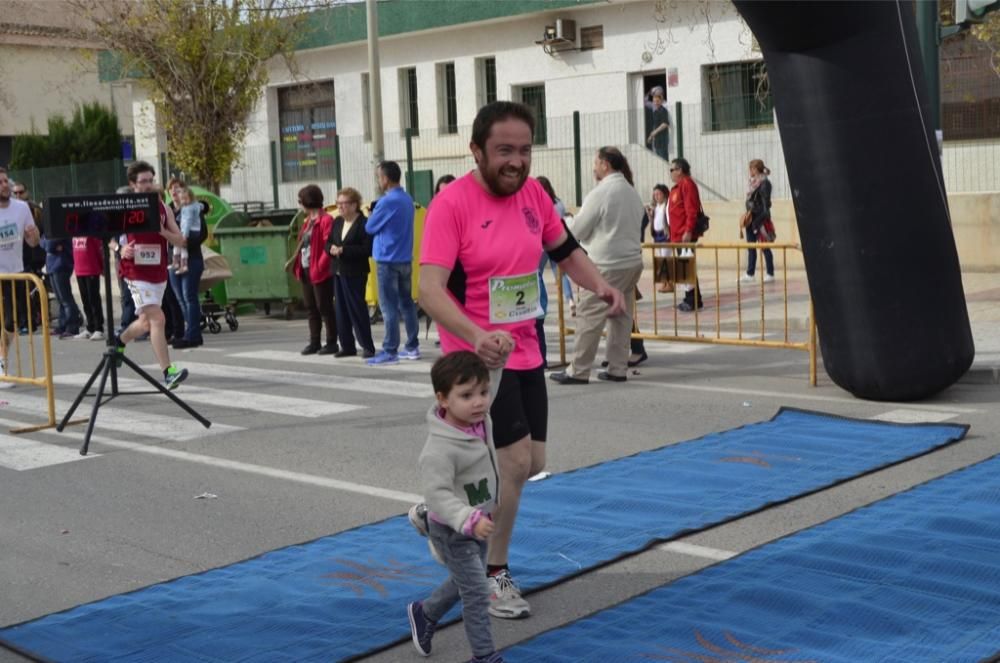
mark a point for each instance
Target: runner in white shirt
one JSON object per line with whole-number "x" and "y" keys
{"x": 17, "y": 225}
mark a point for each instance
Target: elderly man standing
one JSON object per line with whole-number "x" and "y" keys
{"x": 608, "y": 227}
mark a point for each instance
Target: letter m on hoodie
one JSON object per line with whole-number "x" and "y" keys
{"x": 477, "y": 494}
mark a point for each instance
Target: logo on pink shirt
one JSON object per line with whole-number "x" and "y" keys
{"x": 531, "y": 221}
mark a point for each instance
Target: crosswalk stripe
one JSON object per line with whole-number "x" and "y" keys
{"x": 295, "y": 407}
{"x": 283, "y": 356}
{"x": 312, "y": 380}
{"x": 21, "y": 453}
{"x": 133, "y": 421}
{"x": 238, "y": 466}
{"x": 915, "y": 416}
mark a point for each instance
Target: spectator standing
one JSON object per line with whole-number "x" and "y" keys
{"x": 391, "y": 226}
{"x": 59, "y": 266}
{"x": 761, "y": 228}
{"x": 350, "y": 247}
{"x": 311, "y": 266}
{"x": 683, "y": 207}
{"x": 608, "y": 227}
{"x": 659, "y": 136}
{"x": 88, "y": 263}
{"x": 187, "y": 276}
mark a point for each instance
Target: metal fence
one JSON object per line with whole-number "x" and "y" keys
{"x": 84, "y": 178}
{"x": 718, "y": 159}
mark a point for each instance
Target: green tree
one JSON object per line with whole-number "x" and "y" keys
{"x": 204, "y": 64}
{"x": 91, "y": 134}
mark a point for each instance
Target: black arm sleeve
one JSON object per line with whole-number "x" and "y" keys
{"x": 562, "y": 251}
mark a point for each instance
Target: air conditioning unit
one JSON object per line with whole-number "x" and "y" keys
{"x": 566, "y": 30}
{"x": 559, "y": 36}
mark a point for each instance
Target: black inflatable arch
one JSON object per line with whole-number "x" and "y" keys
{"x": 865, "y": 174}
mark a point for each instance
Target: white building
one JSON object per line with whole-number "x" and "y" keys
{"x": 48, "y": 70}
{"x": 442, "y": 59}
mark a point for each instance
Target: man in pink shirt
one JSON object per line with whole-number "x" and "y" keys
{"x": 483, "y": 239}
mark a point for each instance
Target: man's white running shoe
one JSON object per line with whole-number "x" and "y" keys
{"x": 84, "y": 335}
{"x": 505, "y": 597}
{"x": 3, "y": 371}
{"x": 97, "y": 336}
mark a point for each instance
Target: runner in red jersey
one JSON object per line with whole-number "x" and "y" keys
{"x": 145, "y": 257}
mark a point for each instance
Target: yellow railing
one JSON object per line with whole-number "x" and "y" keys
{"x": 22, "y": 363}
{"x": 678, "y": 263}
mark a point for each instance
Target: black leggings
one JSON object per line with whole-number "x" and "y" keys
{"x": 318, "y": 298}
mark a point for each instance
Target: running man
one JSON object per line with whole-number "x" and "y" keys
{"x": 144, "y": 260}
{"x": 483, "y": 239}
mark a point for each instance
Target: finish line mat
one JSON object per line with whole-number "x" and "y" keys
{"x": 912, "y": 578}
{"x": 344, "y": 595}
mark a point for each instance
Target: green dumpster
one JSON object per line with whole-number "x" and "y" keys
{"x": 256, "y": 245}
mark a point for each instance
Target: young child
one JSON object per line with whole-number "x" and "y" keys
{"x": 190, "y": 223}
{"x": 461, "y": 484}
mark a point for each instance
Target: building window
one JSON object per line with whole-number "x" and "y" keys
{"x": 970, "y": 90}
{"x": 366, "y": 108}
{"x": 486, "y": 81}
{"x": 409, "y": 115}
{"x": 533, "y": 96}
{"x": 738, "y": 96}
{"x": 592, "y": 38}
{"x": 307, "y": 122}
{"x": 447, "y": 99}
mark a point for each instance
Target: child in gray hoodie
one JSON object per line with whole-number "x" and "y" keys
{"x": 461, "y": 485}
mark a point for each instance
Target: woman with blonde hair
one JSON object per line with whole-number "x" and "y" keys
{"x": 760, "y": 228}
{"x": 350, "y": 247}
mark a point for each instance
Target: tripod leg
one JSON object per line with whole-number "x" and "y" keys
{"x": 83, "y": 392}
{"x": 97, "y": 405}
{"x": 166, "y": 392}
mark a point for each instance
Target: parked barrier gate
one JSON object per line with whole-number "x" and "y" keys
{"x": 726, "y": 303}
{"x": 23, "y": 297}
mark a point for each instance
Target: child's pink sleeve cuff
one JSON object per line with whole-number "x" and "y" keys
{"x": 470, "y": 524}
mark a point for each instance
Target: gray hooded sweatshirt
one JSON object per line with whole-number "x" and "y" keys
{"x": 459, "y": 472}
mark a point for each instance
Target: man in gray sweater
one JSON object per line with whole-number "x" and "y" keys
{"x": 609, "y": 229}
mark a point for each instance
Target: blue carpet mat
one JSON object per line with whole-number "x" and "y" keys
{"x": 913, "y": 578}
{"x": 343, "y": 595}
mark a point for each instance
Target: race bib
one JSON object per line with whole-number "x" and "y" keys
{"x": 147, "y": 254}
{"x": 8, "y": 235}
{"x": 515, "y": 298}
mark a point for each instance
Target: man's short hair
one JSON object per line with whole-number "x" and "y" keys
{"x": 391, "y": 170}
{"x": 498, "y": 111}
{"x": 684, "y": 166}
{"x": 311, "y": 197}
{"x": 138, "y": 167}
{"x": 456, "y": 368}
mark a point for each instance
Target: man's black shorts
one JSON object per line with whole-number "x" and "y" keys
{"x": 521, "y": 407}
{"x": 9, "y": 302}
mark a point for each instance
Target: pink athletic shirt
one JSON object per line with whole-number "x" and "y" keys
{"x": 477, "y": 235}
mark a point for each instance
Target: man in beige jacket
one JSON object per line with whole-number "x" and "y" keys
{"x": 609, "y": 229}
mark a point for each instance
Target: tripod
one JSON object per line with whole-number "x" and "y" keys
{"x": 110, "y": 362}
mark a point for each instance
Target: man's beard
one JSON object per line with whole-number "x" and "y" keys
{"x": 4, "y": 197}
{"x": 498, "y": 185}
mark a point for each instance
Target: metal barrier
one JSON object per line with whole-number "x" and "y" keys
{"x": 23, "y": 290}
{"x": 678, "y": 263}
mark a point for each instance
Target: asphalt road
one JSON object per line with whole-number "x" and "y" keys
{"x": 302, "y": 449}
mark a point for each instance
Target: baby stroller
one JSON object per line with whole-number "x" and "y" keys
{"x": 216, "y": 271}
